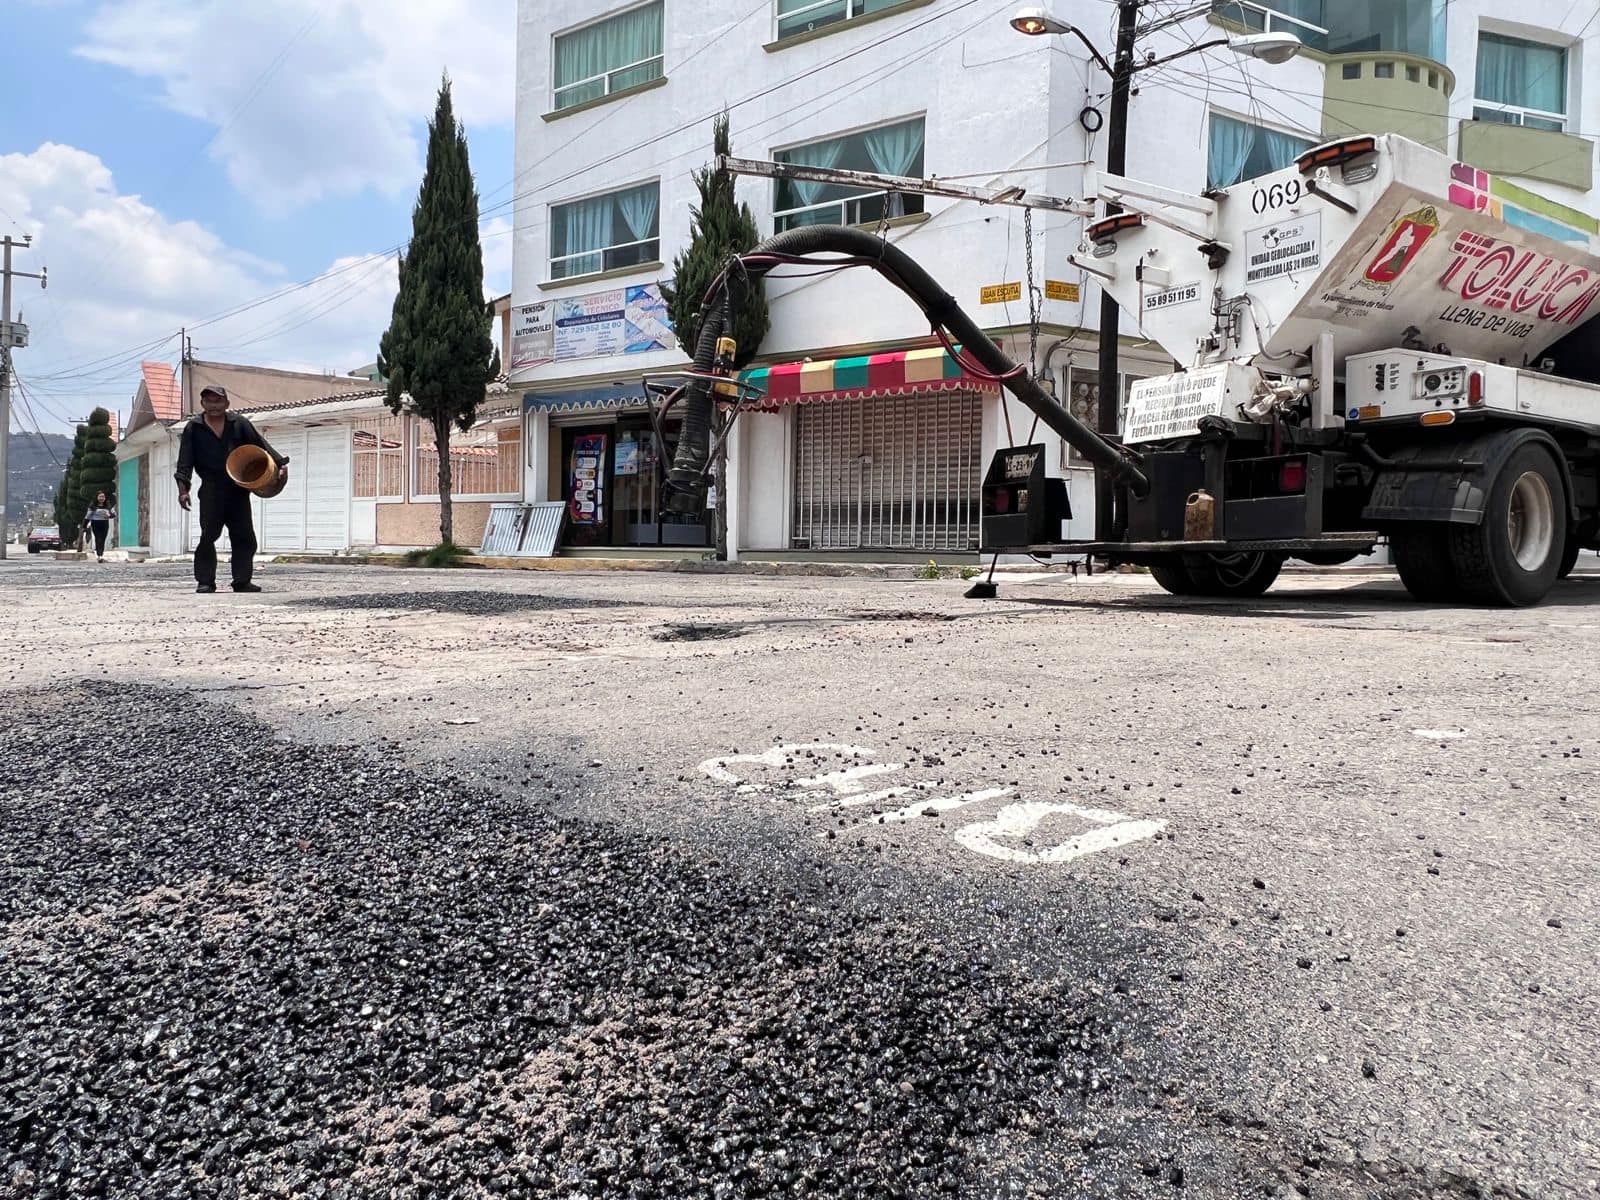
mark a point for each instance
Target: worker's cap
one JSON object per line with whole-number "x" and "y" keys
{"x": 214, "y": 390}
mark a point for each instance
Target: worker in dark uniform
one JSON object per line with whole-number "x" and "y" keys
{"x": 207, "y": 441}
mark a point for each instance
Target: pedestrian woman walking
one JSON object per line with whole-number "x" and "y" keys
{"x": 99, "y": 517}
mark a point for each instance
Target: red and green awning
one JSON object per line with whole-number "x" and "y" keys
{"x": 900, "y": 373}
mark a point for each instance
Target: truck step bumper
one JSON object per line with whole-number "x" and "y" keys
{"x": 1360, "y": 541}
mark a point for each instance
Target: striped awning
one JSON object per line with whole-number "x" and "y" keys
{"x": 583, "y": 400}
{"x": 900, "y": 373}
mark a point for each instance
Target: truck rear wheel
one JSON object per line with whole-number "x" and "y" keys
{"x": 1513, "y": 556}
{"x": 1173, "y": 576}
{"x": 1569, "y": 557}
{"x": 1247, "y": 573}
{"x": 1422, "y": 556}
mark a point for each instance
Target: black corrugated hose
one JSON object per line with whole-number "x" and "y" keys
{"x": 686, "y": 480}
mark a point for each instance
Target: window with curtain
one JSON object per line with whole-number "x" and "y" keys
{"x": 887, "y": 150}
{"x": 1521, "y": 82}
{"x": 485, "y": 461}
{"x": 606, "y": 233}
{"x": 1238, "y": 150}
{"x": 377, "y": 455}
{"x": 802, "y": 16}
{"x": 609, "y": 56}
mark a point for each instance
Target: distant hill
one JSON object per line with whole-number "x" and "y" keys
{"x": 33, "y": 468}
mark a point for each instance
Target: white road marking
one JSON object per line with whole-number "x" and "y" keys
{"x": 872, "y": 797}
{"x": 1016, "y": 821}
{"x": 939, "y": 804}
{"x": 999, "y": 837}
{"x": 848, "y": 781}
{"x": 717, "y": 768}
{"x": 1434, "y": 734}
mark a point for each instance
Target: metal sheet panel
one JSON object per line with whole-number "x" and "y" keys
{"x": 523, "y": 530}
{"x": 283, "y": 518}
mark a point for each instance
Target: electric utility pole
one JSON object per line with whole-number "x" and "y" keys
{"x": 1110, "y": 379}
{"x": 12, "y": 337}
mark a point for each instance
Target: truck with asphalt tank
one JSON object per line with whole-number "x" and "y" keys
{"x": 1379, "y": 344}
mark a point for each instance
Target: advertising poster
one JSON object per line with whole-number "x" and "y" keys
{"x": 627, "y": 455}
{"x": 533, "y": 341}
{"x": 586, "y": 480}
{"x": 619, "y": 321}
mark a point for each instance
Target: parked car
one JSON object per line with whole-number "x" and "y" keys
{"x": 43, "y": 539}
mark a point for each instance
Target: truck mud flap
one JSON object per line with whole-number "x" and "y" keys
{"x": 1447, "y": 482}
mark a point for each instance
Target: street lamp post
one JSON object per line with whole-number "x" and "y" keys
{"x": 1035, "y": 21}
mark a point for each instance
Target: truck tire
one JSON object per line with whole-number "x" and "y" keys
{"x": 1247, "y": 573}
{"x": 1422, "y": 556}
{"x": 1173, "y": 575}
{"x": 1569, "y": 558}
{"x": 1513, "y": 556}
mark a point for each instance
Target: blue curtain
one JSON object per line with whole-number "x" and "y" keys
{"x": 1228, "y": 152}
{"x": 896, "y": 150}
{"x": 626, "y": 39}
{"x": 1281, "y": 148}
{"x": 825, "y": 153}
{"x": 639, "y": 206}
{"x": 1527, "y": 74}
{"x": 582, "y": 226}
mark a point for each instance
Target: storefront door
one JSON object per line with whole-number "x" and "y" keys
{"x": 641, "y": 518}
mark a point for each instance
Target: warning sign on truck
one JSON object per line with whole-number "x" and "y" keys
{"x": 1284, "y": 248}
{"x": 1170, "y": 406}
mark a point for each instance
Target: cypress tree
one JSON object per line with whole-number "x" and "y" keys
{"x": 99, "y": 470}
{"x": 439, "y": 349}
{"x": 719, "y": 226}
{"x": 69, "y": 513}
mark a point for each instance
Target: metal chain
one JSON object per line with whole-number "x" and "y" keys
{"x": 883, "y": 218}
{"x": 1034, "y": 296}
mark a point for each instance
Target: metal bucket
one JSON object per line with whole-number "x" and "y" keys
{"x": 254, "y": 469}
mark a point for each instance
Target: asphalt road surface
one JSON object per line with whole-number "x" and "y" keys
{"x": 600, "y": 884}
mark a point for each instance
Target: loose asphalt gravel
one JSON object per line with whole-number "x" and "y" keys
{"x": 444, "y": 902}
{"x": 232, "y": 966}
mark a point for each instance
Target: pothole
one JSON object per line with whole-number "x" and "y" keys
{"x": 690, "y": 632}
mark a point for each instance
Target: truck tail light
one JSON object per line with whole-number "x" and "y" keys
{"x": 1475, "y": 389}
{"x": 1331, "y": 153}
{"x": 1106, "y": 230}
{"x": 1292, "y": 476}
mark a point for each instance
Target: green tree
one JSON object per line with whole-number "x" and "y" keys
{"x": 99, "y": 469}
{"x": 69, "y": 513}
{"x": 439, "y": 350}
{"x": 719, "y": 227}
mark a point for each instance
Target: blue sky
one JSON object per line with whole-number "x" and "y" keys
{"x": 175, "y": 159}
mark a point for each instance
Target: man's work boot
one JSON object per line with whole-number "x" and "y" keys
{"x": 205, "y": 587}
{"x": 247, "y": 587}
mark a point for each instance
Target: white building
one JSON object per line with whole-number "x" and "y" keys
{"x": 614, "y": 110}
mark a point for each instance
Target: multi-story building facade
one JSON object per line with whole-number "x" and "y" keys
{"x": 874, "y": 439}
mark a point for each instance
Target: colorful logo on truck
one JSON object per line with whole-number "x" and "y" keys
{"x": 1501, "y": 275}
{"x": 1406, "y": 238}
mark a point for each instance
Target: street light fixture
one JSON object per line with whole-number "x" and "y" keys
{"x": 1037, "y": 21}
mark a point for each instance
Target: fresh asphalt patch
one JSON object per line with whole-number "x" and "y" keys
{"x": 231, "y": 965}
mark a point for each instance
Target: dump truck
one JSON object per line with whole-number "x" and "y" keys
{"x": 1376, "y": 345}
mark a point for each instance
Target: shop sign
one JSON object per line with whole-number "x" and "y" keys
{"x": 631, "y": 320}
{"x": 1000, "y": 293}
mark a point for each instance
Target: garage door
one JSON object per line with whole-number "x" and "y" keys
{"x": 326, "y": 473}
{"x": 897, "y": 473}
{"x": 281, "y": 521}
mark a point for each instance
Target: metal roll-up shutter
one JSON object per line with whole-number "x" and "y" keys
{"x": 892, "y": 473}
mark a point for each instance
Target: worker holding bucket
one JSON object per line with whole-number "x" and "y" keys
{"x": 232, "y": 460}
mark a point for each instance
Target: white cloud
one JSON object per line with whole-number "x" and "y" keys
{"x": 312, "y": 98}
{"x": 122, "y": 274}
